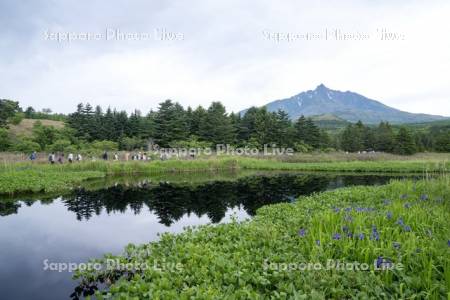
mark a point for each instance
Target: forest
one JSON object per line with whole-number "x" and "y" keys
{"x": 171, "y": 125}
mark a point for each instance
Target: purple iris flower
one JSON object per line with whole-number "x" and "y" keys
{"x": 386, "y": 201}
{"x": 396, "y": 245}
{"x": 348, "y": 209}
{"x": 349, "y": 235}
{"x": 389, "y": 215}
{"x": 336, "y": 236}
{"x": 383, "y": 262}
{"x": 379, "y": 261}
{"x": 407, "y": 228}
{"x": 302, "y": 232}
{"x": 375, "y": 236}
{"x": 318, "y": 242}
{"x": 423, "y": 197}
{"x": 337, "y": 209}
{"x": 407, "y": 205}
{"x": 400, "y": 222}
{"x": 448, "y": 243}
{"x": 361, "y": 236}
{"x": 345, "y": 228}
{"x": 404, "y": 196}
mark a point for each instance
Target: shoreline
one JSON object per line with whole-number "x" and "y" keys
{"x": 27, "y": 177}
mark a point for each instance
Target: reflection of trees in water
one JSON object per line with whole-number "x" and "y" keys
{"x": 170, "y": 202}
{"x": 8, "y": 208}
{"x": 85, "y": 204}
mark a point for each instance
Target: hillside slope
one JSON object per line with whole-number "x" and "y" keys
{"x": 25, "y": 127}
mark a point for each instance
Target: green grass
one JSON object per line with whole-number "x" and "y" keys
{"x": 351, "y": 166}
{"x": 39, "y": 177}
{"x": 131, "y": 167}
{"x": 221, "y": 163}
{"x": 35, "y": 181}
{"x": 403, "y": 222}
{"x": 33, "y": 177}
{"x": 347, "y": 157}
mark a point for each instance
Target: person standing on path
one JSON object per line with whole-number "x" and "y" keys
{"x": 51, "y": 158}
{"x": 33, "y": 156}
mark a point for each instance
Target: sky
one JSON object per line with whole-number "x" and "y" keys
{"x": 135, "y": 54}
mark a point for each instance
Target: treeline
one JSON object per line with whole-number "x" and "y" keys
{"x": 358, "y": 137}
{"x": 44, "y": 114}
{"x": 11, "y": 112}
{"x": 171, "y": 125}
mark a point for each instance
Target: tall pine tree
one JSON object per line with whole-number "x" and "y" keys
{"x": 170, "y": 123}
{"x": 216, "y": 126}
{"x": 405, "y": 144}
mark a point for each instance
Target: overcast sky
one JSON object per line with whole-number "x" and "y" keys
{"x": 226, "y": 52}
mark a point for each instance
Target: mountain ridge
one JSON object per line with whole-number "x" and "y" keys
{"x": 347, "y": 105}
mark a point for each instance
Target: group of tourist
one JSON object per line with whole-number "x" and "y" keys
{"x": 59, "y": 157}
{"x": 52, "y": 158}
{"x": 137, "y": 156}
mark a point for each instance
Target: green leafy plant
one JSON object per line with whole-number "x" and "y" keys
{"x": 404, "y": 224}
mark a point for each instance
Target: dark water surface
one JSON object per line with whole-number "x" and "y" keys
{"x": 92, "y": 221}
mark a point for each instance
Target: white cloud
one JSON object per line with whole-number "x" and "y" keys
{"x": 224, "y": 56}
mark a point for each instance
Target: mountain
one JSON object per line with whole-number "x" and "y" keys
{"x": 348, "y": 106}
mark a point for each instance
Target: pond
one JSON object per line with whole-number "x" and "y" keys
{"x": 103, "y": 217}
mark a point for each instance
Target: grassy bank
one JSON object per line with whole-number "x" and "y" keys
{"x": 292, "y": 251}
{"x": 31, "y": 177}
{"x": 34, "y": 177}
{"x": 346, "y": 157}
{"x": 313, "y": 157}
{"x": 33, "y": 181}
{"x": 407, "y": 166}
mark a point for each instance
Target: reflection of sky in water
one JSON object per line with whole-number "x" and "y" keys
{"x": 50, "y": 231}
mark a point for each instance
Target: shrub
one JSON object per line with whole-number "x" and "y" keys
{"x": 61, "y": 146}
{"x": 5, "y": 142}
{"x": 105, "y": 145}
{"x": 26, "y": 146}
{"x": 17, "y": 118}
{"x": 302, "y": 147}
{"x": 192, "y": 142}
{"x": 132, "y": 143}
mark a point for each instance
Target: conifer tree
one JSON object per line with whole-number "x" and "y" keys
{"x": 404, "y": 142}
{"x": 216, "y": 126}
{"x": 170, "y": 123}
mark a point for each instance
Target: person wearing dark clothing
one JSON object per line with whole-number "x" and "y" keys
{"x": 51, "y": 158}
{"x": 105, "y": 155}
{"x": 33, "y": 156}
